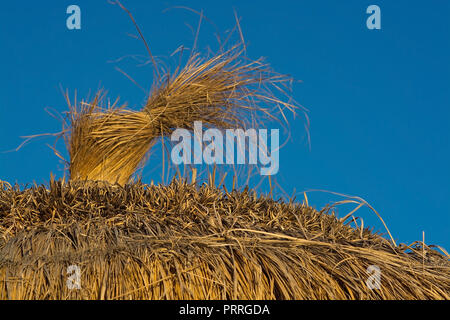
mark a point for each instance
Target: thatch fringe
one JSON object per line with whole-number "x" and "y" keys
{"x": 182, "y": 241}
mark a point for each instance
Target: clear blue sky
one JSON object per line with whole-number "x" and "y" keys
{"x": 379, "y": 100}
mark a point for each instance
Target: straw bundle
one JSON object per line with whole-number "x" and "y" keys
{"x": 182, "y": 241}
{"x": 225, "y": 91}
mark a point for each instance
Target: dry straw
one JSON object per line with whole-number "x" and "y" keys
{"x": 225, "y": 91}
{"x": 181, "y": 241}
{"x": 184, "y": 242}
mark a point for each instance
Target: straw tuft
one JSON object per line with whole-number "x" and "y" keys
{"x": 225, "y": 91}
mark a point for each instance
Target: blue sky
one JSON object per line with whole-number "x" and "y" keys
{"x": 378, "y": 99}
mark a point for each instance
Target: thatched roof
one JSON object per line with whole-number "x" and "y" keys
{"x": 183, "y": 241}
